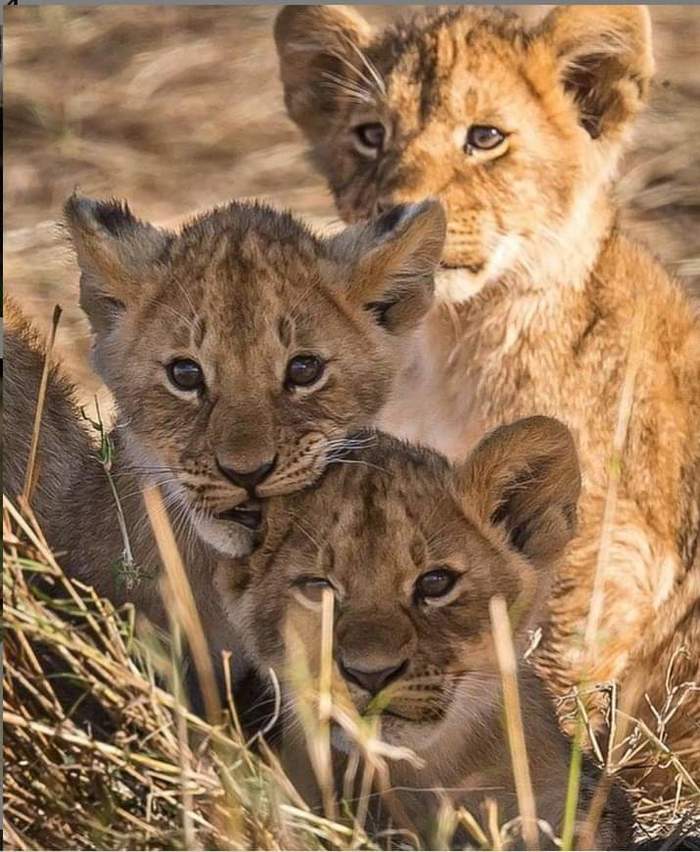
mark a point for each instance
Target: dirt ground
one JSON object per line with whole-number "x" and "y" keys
{"x": 180, "y": 108}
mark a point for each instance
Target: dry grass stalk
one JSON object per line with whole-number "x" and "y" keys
{"x": 30, "y": 475}
{"x": 505, "y": 653}
{"x": 624, "y": 412}
{"x": 179, "y": 596}
{"x": 325, "y": 705}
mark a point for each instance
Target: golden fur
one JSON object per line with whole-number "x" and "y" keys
{"x": 241, "y": 291}
{"x": 378, "y": 522}
{"x": 540, "y": 294}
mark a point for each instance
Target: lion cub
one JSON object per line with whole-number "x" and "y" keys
{"x": 412, "y": 550}
{"x": 544, "y": 307}
{"x": 244, "y": 349}
{"x": 242, "y": 353}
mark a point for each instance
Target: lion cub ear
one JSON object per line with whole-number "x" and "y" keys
{"x": 320, "y": 53}
{"x": 525, "y": 478}
{"x": 604, "y": 58}
{"x": 114, "y": 250}
{"x": 389, "y": 263}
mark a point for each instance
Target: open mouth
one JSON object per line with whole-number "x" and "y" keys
{"x": 248, "y": 514}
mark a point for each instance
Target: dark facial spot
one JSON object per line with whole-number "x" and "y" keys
{"x": 380, "y": 311}
{"x": 284, "y": 331}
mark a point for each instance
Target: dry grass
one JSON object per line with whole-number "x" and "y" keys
{"x": 101, "y": 752}
{"x": 143, "y": 772}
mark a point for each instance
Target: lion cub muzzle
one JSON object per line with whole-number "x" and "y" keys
{"x": 373, "y": 656}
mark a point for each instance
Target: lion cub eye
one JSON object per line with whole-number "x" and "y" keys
{"x": 303, "y": 370}
{"x": 435, "y": 583}
{"x": 313, "y": 587}
{"x": 369, "y": 137}
{"x": 185, "y": 374}
{"x": 483, "y": 138}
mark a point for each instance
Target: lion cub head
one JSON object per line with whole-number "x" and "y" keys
{"x": 412, "y": 550}
{"x": 517, "y": 131}
{"x": 243, "y": 350}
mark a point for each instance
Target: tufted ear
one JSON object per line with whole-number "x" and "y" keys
{"x": 390, "y": 262}
{"x": 114, "y": 250}
{"x": 603, "y": 56}
{"x": 320, "y": 54}
{"x": 525, "y": 477}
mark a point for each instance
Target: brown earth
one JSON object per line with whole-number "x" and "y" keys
{"x": 180, "y": 108}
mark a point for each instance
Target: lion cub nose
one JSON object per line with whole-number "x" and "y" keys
{"x": 373, "y": 680}
{"x": 248, "y": 479}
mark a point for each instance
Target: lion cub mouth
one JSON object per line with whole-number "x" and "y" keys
{"x": 248, "y": 514}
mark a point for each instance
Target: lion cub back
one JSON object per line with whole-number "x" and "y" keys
{"x": 64, "y": 443}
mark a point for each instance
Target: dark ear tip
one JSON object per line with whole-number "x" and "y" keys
{"x": 544, "y": 421}
{"x": 404, "y": 214}
{"x": 78, "y": 207}
{"x": 545, "y": 425}
{"x": 283, "y": 19}
{"x": 287, "y": 18}
{"x": 389, "y": 220}
{"x": 92, "y": 214}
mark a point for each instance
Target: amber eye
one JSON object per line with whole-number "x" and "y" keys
{"x": 186, "y": 374}
{"x": 303, "y": 370}
{"x": 483, "y": 137}
{"x": 313, "y": 587}
{"x": 313, "y": 583}
{"x": 435, "y": 583}
{"x": 370, "y": 136}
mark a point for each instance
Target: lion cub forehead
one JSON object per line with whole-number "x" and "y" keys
{"x": 249, "y": 241}
{"x": 379, "y": 491}
{"x": 439, "y": 40}
{"x": 456, "y": 61}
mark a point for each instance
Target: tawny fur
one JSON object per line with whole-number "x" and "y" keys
{"x": 73, "y": 501}
{"x": 377, "y": 522}
{"x": 241, "y": 291}
{"x": 540, "y": 292}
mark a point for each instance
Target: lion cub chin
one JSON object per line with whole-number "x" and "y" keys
{"x": 404, "y": 552}
{"x": 243, "y": 350}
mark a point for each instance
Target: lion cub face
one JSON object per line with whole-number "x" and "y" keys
{"x": 516, "y": 131}
{"x": 243, "y": 350}
{"x": 412, "y": 551}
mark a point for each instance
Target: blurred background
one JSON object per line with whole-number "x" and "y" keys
{"x": 180, "y": 108}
